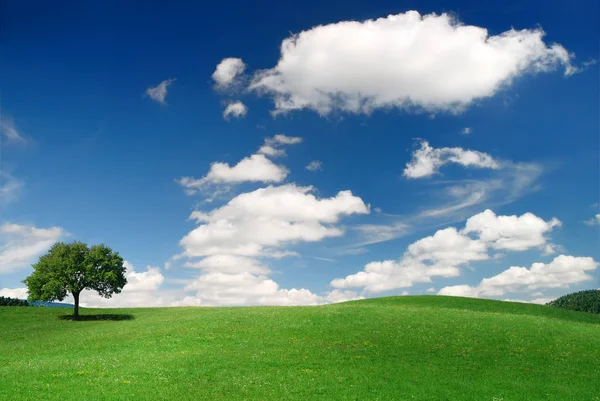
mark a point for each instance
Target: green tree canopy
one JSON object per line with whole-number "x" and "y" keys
{"x": 72, "y": 268}
{"x": 582, "y": 301}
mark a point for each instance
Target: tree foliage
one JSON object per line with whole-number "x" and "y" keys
{"x": 72, "y": 268}
{"x": 7, "y": 301}
{"x": 582, "y": 301}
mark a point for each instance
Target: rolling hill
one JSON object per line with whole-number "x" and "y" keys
{"x": 396, "y": 348}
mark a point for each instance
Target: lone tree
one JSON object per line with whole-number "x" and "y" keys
{"x": 72, "y": 268}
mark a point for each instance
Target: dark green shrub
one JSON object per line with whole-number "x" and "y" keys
{"x": 582, "y": 301}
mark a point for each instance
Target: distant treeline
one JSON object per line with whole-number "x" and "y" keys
{"x": 7, "y": 301}
{"x": 582, "y": 301}
{"x": 51, "y": 304}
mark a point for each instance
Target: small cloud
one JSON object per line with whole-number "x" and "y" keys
{"x": 227, "y": 71}
{"x": 427, "y": 160}
{"x": 235, "y": 109}
{"x": 159, "y": 92}
{"x": 272, "y": 146}
{"x": 314, "y": 166}
{"x": 466, "y": 131}
{"x": 431, "y": 289}
{"x": 594, "y": 221}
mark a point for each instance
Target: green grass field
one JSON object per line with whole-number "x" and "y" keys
{"x": 397, "y": 348}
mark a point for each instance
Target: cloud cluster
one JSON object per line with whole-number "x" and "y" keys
{"x": 21, "y": 245}
{"x": 560, "y": 273}
{"x": 159, "y": 92}
{"x": 233, "y": 240}
{"x": 442, "y": 254}
{"x": 426, "y": 161}
{"x": 408, "y": 60}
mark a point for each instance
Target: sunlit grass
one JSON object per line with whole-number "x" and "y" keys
{"x": 419, "y": 348}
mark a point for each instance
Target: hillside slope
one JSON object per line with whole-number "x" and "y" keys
{"x": 397, "y": 348}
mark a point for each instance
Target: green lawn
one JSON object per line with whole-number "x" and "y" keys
{"x": 397, "y": 348}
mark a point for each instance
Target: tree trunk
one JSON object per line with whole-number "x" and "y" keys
{"x": 76, "y": 310}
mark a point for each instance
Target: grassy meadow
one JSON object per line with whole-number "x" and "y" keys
{"x": 396, "y": 348}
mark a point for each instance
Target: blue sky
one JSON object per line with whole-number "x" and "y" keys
{"x": 427, "y": 119}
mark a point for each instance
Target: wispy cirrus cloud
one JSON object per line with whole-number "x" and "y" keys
{"x": 9, "y": 130}
{"x": 10, "y": 187}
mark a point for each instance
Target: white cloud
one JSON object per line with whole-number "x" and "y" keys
{"x": 594, "y": 221}
{"x": 159, "y": 92}
{"x": 431, "y": 289}
{"x": 235, "y": 109}
{"x": 255, "y": 168}
{"x": 9, "y": 130}
{"x": 427, "y": 160}
{"x": 539, "y": 301}
{"x": 142, "y": 289}
{"x": 231, "y": 239}
{"x": 467, "y": 131}
{"x": 513, "y": 233}
{"x": 217, "y": 288}
{"x": 442, "y": 254}
{"x": 227, "y": 71}
{"x": 409, "y": 61}
{"x": 269, "y": 217}
{"x": 20, "y": 293}
{"x": 230, "y": 264}
{"x": 149, "y": 280}
{"x": 272, "y": 146}
{"x": 439, "y": 255}
{"x": 336, "y": 296}
{"x": 560, "y": 273}
{"x": 21, "y": 245}
{"x": 314, "y": 165}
